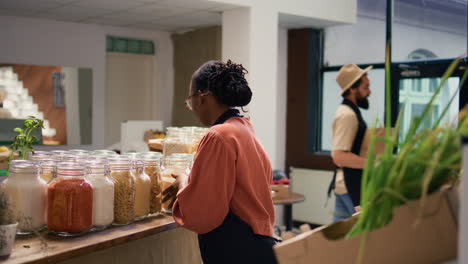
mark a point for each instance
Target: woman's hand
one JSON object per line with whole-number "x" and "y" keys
{"x": 170, "y": 193}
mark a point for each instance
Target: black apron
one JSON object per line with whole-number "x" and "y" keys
{"x": 352, "y": 177}
{"x": 234, "y": 240}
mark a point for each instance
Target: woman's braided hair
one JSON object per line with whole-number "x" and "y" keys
{"x": 226, "y": 81}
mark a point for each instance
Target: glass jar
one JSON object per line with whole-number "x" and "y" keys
{"x": 37, "y": 155}
{"x": 70, "y": 201}
{"x": 27, "y": 193}
{"x": 188, "y": 157}
{"x": 153, "y": 170}
{"x": 198, "y": 135}
{"x": 47, "y": 163}
{"x": 173, "y": 165}
{"x": 58, "y": 154}
{"x": 97, "y": 173}
{"x": 104, "y": 152}
{"x": 124, "y": 190}
{"x": 142, "y": 190}
{"x": 48, "y": 170}
{"x": 79, "y": 151}
{"x": 177, "y": 141}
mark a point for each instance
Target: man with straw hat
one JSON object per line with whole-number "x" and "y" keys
{"x": 348, "y": 133}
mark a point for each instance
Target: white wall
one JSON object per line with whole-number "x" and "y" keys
{"x": 47, "y": 42}
{"x": 281, "y": 104}
{"x": 364, "y": 42}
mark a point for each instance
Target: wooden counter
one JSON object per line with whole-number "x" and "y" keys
{"x": 291, "y": 198}
{"x": 30, "y": 250}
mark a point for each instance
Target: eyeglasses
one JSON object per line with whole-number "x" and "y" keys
{"x": 188, "y": 100}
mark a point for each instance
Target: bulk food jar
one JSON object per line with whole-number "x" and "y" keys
{"x": 173, "y": 166}
{"x": 153, "y": 170}
{"x": 58, "y": 154}
{"x": 142, "y": 190}
{"x": 124, "y": 190}
{"x": 97, "y": 172}
{"x": 178, "y": 140}
{"x": 47, "y": 166}
{"x": 27, "y": 193}
{"x": 70, "y": 201}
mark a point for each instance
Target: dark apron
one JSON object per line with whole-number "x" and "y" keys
{"x": 234, "y": 240}
{"x": 352, "y": 177}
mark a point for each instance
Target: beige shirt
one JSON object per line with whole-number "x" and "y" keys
{"x": 345, "y": 127}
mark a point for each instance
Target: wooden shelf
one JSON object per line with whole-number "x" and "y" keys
{"x": 28, "y": 249}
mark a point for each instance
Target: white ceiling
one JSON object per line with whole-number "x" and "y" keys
{"x": 167, "y": 15}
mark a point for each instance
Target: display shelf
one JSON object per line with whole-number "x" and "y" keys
{"x": 30, "y": 249}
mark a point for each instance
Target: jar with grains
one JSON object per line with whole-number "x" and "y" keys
{"x": 124, "y": 190}
{"x": 173, "y": 165}
{"x": 103, "y": 193}
{"x": 153, "y": 170}
{"x": 198, "y": 135}
{"x": 188, "y": 157}
{"x": 27, "y": 193}
{"x": 142, "y": 190}
{"x": 178, "y": 140}
{"x": 70, "y": 201}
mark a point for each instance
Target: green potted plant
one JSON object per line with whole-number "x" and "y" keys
{"x": 7, "y": 226}
{"x": 23, "y": 142}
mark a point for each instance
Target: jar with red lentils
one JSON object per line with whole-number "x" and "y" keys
{"x": 70, "y": 201}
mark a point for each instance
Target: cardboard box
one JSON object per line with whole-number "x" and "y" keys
{"x": 379, "y": 145}
{"x": 433, "y": 240}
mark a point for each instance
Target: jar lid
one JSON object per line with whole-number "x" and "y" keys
{"x": 30, "y": 166}
{"x": 70, "y": 169}
{"x": 78, "y": 151}
{"x": 119, "y": 160}
{"x": 97, "y": 166}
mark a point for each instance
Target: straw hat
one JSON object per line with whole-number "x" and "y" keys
{"x": 348, "y": 75}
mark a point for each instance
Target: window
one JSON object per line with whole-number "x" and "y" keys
{"x": 414, "y": 105}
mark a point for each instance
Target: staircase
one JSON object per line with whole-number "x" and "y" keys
{"x": 20, "y": 104}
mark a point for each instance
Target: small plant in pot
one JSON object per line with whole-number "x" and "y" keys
{"x": 7, "y": 226}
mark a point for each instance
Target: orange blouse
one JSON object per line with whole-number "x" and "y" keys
{"x": 231, "y": 172}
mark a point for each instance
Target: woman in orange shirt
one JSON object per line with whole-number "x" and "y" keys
{"x": 226, "y": 199}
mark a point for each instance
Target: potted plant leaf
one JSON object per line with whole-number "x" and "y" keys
{"x": 23, "y": 142}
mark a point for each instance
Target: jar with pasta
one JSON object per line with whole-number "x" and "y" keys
{"x": 70, "y": 201}
{"x": 174, "y": 166}
{"x": 153, "y": 170}
{"x": 103, "y": 193}
{"x": 142, "y": 190}
{"x": 27, "y": 193}
{"x": 124, "y": 190}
